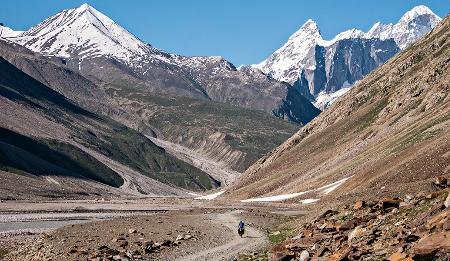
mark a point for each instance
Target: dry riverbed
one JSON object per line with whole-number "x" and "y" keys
{"x": 171, "y": 232}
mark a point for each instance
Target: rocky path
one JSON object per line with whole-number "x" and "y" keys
{"x": 252, "y": 239}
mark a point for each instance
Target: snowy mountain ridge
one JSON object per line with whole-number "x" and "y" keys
{"x": 286, "y": 63}
{"x": 59, "y": 35}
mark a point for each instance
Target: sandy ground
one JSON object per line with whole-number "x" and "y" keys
{"x": 77, "y": 230}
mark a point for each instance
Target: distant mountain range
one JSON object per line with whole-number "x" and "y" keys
{"x": 95, "y": 45}
{"x": 323, "y": 70}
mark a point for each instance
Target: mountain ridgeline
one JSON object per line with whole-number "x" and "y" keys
{"x": 386, "y": 137}
{"x": 88, "y": 93}
{"x": 47, "y": 137}
{"x": 319, "y": 68}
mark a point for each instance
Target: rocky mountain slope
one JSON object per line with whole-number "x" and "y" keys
{"x": 387, "y": 135}
{"x": 413, "y": 227}
{"x": 143, "y": 88}
{"x": 321, "y": 67}
{"x": 102, "y": 50}
{"x": 51, "y": 147}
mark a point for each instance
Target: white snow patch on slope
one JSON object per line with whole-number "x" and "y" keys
{"x": 325, "y": 190}
{"x": 324, "y": 99}
{"x": 211, "y": 196}
{"x": 275, "y": 198}
{"x": 310, "y": 200}
{"x": 52, "y": 180}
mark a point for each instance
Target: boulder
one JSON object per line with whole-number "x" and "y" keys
{"x": 123, "y": 243}
{"x": 328, "y": 213}
{"x": 388, "y": 203}
{"x": 301, "y": 244}
{"x": 360, "y": 204}
{"x": 281, "y": 256}
{"x": 166, "y": 243}
{"x": 399, "y": 256}
{"x": 429, "y": 245}
{"x": 356, "y": 233}
{"x": 132, "y": 231}
{"x": 304, "y": 256}
{"x": 341, "y": 254}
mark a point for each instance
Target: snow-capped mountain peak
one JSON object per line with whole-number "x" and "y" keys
{"x": 60, "y": 35}
{"x": 415, "y": 12}
{"x": 292, "y": 53}
{"x": 309, "y": 27}
{"x": 411, "y": 26}
{"x": 297, "y": 53}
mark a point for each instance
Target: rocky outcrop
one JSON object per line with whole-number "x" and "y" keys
{"x": 414, "y": 228}
{"x": 342, "y": 64}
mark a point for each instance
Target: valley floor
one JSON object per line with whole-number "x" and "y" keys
{"x": 156, "y": 228}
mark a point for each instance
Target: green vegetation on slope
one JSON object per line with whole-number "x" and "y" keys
{"x": 50, "y": 157}
{"x": 251, "y": 132}
{"x": 101, "y": 134}
{"x": 131, "y": 148}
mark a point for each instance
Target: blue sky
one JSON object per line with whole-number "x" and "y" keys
{"x": 243, "y": 31}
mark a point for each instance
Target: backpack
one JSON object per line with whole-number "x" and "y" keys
{"x": 241, "y": 225}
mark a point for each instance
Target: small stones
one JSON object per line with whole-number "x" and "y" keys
{"x": 123, "y": 243}
{"x": 389, "y": 203}
{"x": 447, "y": 201}
{"x": 440, "y": 181}
{"x": 149, "y": 247}
{"x": 419, "y": 230}
{"x": 304, "y": 256}
{"x": 359, "y": 205}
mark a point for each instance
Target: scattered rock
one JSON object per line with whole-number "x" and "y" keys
{"x": 356, "y": 233}
{"x": 429, "y": 245}
{"x": 398, "y": 256}
{"x": 123, "y": 243}
{"x": 149, "y": 247}
{"x": 359, "y": 205}
{"x": 275, "y": 233}
{"x": 447, "y": 201}
{"x": 389, "y": 203}
{"x": 132, "y": 231}
{"x": 304, "y": 256}
{"x": 340, "y": 254}
{"x": 440, "y": 181}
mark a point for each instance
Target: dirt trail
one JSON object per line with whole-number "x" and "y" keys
{"x": 252, "y": 240}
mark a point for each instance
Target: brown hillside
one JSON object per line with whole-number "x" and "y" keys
{"x": 390, "y": 132}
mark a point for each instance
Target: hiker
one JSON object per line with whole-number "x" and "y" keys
{"x": 241, "y": 228}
